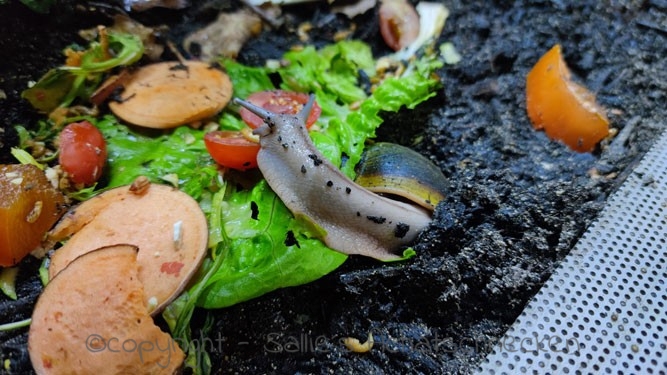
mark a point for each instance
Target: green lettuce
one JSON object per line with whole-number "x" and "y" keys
{"x": 256, "y": 245}
{"x": 61, "y": 86}
{"x": 177, "y": 157}
{"x": 266, "y": 247}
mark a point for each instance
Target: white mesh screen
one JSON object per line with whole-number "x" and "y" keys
{"x": 603, "y": 310}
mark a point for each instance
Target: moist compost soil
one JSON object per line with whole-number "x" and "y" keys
{"x": 517, "y": 201}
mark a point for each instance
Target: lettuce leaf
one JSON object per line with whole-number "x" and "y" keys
{"x": 179, "y": 155}
{"x": 333, "y": 69}
{"x": 61, "y": 86}
{"x": 266, "y": 248}
{"x": 256, "y": 245}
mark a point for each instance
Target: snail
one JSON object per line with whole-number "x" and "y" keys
{"x": 353, "y": 219}
{"x": 389, "y": 168}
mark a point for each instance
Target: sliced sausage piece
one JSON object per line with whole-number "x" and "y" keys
{"x": 167, "y": 226}
{"x": 168, "y": 94}
{"x": 93, "y": 319}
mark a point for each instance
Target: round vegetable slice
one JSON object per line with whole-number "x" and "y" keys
{"x": 166, "y": 225}
{"x": 82, "y": 152}
{"x": 279, "y": 101}
{"x": 565, "y": 110}
{"x": 232, "y": 150}
{"x": 29, "y": 206}
{"x": 399, "y": 23}
{"x": 168, "y": 94}
{"x": 93, "y": 319}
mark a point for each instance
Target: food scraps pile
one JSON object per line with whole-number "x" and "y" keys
{"x": 208, "y": 202}
{"x": 237, "y": 205}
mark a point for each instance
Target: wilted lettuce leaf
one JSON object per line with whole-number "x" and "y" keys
{"x": 267, "y": 249}
{"x": 333, "y": 69}
{"x": 333, "y": 75}
{"x": 247, "y": 80}
{"x": 179, "y": 155}
{"x": 50, "y": 90}
{"x": 60, "y": 86}
{"x": 389, "y": 96}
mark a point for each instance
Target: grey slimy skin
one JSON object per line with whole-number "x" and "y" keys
{"x": 356, "y": 220}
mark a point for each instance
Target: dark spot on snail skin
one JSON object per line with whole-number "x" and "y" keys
{"x": 348, "y": 190}
{"x": 401, "y": 230}
{"x": 316, "y": 160}
{"x": 303, "y": 168}
{"x": 254, "y": 210}
{"x": 285, "y": 146}
{"x": 290, "y": 240}
{"x": 329, "y": 183}
{"x": 358, "y": 213}
{"x": 376, "y": 219}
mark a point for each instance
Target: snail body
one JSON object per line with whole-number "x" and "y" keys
{"x": 354, "y": 220}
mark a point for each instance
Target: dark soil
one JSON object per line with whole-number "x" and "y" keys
{"x": 518, "y": 202}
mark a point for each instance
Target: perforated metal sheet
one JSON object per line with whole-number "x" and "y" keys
{"x": 604, "y": 309}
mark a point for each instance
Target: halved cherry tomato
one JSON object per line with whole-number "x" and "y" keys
{"x": 565, "y": 110}
{"x": 231, "y": 149}
{"x": 279, "y": 101}
{"x": 83, "y": 152}
{"x": 399, "y": 23}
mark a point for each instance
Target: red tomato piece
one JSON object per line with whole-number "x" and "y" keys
{"x": 565, "y": 110}
{"x": 83, "y": 152}
{"x": 231, "y": 149}
{"x": 279, "y": 101}
{"x": 399, "y": 23}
